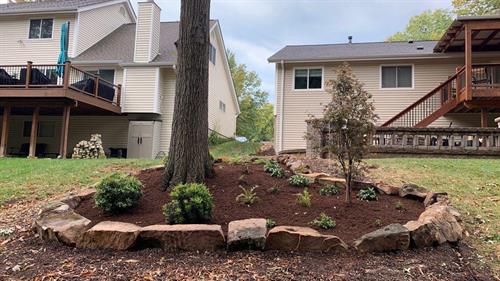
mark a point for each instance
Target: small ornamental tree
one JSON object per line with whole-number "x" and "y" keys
{"x": 349, "y": 119}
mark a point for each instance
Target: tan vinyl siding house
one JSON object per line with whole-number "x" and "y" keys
{"x": 294, "y": 106}
{"x": 138, "y": 53}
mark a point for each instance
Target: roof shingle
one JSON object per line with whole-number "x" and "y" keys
{"x": 353, "y": 51}
{"x": 53, "y": 5}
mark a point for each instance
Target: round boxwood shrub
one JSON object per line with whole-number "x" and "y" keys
{"x": 191, "y": 203}
{"x": 117, "y": 193}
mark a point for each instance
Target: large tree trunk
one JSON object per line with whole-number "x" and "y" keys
{"x": 188, "y": 158}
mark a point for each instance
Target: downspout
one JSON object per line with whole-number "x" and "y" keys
{"x": 281, "y": 103}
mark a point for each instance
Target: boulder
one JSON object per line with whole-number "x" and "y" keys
{"x": 298, "y": 167}
{"x": 389, "y": 238}
{"x": 424, "y": 234}
{"x": 185, "y": 237}
{"x": 72, "y": 201}
{"x": 302, "y": 239}
{"x": 387, "y": 188}
{"x": 413, "y": 191}
{"x": 435, "y": 197}
{"x": 312, "y": 177}
{"x": 61, "y": 224}
{"x": 363, "y": 184}
{"x": 331, "y": 180}
{"x": 247, "y": 234}
{"x": 446, "y": 219}
{"x": 110, "y": 235}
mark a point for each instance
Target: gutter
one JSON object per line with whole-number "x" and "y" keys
{"x": 143, "y": 64}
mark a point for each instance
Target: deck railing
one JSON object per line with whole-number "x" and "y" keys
{"x": 32, "y": 76}
{"x": 406, "y": 140}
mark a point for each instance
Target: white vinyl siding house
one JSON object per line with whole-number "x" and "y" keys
{"x": 141, "y": 90}
{"x": 296, "y": 106}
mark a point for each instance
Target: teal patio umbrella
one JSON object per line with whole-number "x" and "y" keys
{"x": 63, "y": 55}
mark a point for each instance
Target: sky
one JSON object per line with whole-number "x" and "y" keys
{"x": 256, "y": 29}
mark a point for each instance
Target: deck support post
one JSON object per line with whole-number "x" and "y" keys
{"x": 468, "y": 62}
{"x": 63, "y": 148}
{"x": 34, "y": 132}
{"x": 484, "y": 118}
{"x": 4, "y": 137}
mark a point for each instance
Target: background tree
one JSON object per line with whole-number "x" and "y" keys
{"x": 349, "y": 118}
{"x": 431, "y": 25}
{"x": 256, "y": 120}
{"x": 188, "y": 158}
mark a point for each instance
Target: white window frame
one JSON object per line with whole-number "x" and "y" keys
{"x": 222, "y": 106}
{"x": 41, "y": 18}
{"x": 309, "y": 68}
{"x": 398, "y": 88}
{"x": 212, "y": 47}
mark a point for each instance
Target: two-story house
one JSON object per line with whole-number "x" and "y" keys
{"x": 119, "y": 81}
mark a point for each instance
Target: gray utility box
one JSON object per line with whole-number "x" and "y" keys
{"x": 143, "y": 139}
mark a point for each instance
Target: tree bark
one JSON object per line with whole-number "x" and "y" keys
{"x": 188, "y": 158}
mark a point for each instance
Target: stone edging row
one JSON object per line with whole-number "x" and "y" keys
{"x": 438, "y": 224}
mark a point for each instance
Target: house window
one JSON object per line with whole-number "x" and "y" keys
{"x": 41, "y": 28}
{"x": 105, "y": 74}
{"x": 45, "y": 129}
{"x": 222, "y": 106}
{"x": 308, "y": 78}
{"x": 212, "y": 53}
{"x": 400, "y": 76}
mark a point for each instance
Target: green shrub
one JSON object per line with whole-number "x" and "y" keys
{"x": 117, "y": 193}
{"x": 216, "y": 139}
{"x": 191, "y": 203}
{"x": 368, "y": 194}
{"x": 270, "y": 223}
{"x": 324, "y": 221}
{"x": 298, "y": 180}
{"x": 270, "y": 166}
{"x": 329, "y": 190}
{"x": 274, "y": 190}
{"x": 399, "y": 206}
{"x": 304, "y": 198}
{"x": 278, "y": 172}
{"x": 248, "y": 196}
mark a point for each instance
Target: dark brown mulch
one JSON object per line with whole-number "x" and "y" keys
{"x": 352, "y": 221}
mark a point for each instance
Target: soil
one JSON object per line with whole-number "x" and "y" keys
{"x": 352, "y": 221}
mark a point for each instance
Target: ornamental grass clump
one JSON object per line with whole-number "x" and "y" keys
{"x": 191, "y": 203}
{"x": 304, "y": 198}
{"x": 248, "y": 196}
{"x": 117, "y": 193}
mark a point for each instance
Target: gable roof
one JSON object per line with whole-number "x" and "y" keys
{"x": 48, "y": 6}
{"x": 354, "y": 51}
{"x": 118, "y": 47}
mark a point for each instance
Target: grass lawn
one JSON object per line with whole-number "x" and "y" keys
{"x": 41, "y": 178}
{"x": 472, "y": 184}
{"x": 234, "y": 149}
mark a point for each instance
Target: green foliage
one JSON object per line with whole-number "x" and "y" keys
{"x": 164, "y": 160}
{"x": 248, "y": 196}
{"x": 270, "y": 223}
{"x": 399, "y": 206}
{"x": 274, "y": 190}
{"x": 350, "y": 118}
{"x": 298, "y": 180}
{"x": 256, "y": 120}
{"x": 304, "y": 198}
{"x": 324, "y": 221}
{"x": 117, "y": 193}
{"x": 216, "y": 139}
{"x": 475, "y": 7}
{"x": 378, "y": 223}
{"x": 191, "y": 203}
{"x": 368, "y": 194}
{"x": 329, "y": 190}
{"x": 274, "y": 169}
{"x": 429, "y": 25}
{"x": 234, "y": 149}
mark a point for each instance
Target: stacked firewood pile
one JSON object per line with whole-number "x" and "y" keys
{"x": 91, "y": 149}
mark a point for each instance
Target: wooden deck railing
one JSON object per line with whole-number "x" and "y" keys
{"x": 406, "y": 140}
{"x": 36, "y": 76}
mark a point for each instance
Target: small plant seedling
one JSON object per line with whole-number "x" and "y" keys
{"x": 278, "y": 172}
{"x": 368, "y": 194}
{"x": 377, "y": 223}
{"x": 274, "y": 190}
{"x": 246, "y": 170}
{"x": 324, "y": 221}
{"x": 248, "y": 196}
{"x": 270, "y": 165}
{"x": 298, "y": 180}
{"x": 399, "y": 206}
{"x": 304, "y": 198}
{"x": 270, "y": 223}
{"x": 6, "y": 231}
{"x": 329, "y": 190}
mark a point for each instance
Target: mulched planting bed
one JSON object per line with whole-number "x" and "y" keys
{"x": 352, "y": 221}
